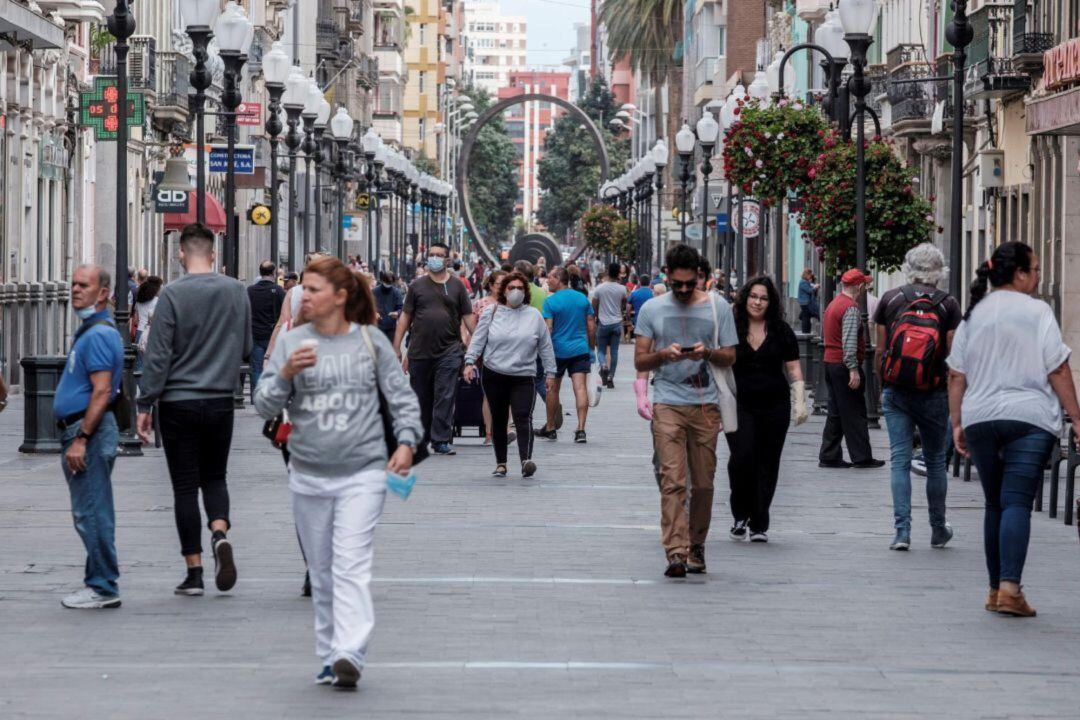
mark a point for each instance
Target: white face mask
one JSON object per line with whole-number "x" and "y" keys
{"x": 515, "y": 298}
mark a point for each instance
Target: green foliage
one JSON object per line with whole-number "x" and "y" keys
{"x": 569, "y": 171}
{"x": 493, "y": 176}
{"x": 426, "y": 165}
{"x": 769, "y": 150}
{"x": 606, "y": 232}
{"x": 897, "y": 218}
{"x": 647, "y": 33}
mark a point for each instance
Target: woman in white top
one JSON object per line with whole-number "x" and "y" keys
{"x": 1009, "y": 378}
{"x": 146, "y": 299}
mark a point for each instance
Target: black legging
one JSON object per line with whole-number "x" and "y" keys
{"x": 754, "y": 464}
{"x": 505, "y": 393}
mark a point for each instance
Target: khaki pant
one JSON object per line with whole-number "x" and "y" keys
{"x": 685, "y": 439}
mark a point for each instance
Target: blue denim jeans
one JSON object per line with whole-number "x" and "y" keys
{"x": 904, "y": 411}
{"x": 609, "y": 336}
{"x": 92, "y": 503}
{"x": 258, "y": 356}
{"x": 1011, "y": 458}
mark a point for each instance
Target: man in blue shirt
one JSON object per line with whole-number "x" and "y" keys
{"x": 82, "y": 407}
{"x": 639, "y": 297}
{"x": 572, "y": 323}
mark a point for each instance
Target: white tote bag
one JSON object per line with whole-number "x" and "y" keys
{"x": 725, "y": 381}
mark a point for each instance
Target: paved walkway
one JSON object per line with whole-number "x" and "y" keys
{"x": 541, "y": 598}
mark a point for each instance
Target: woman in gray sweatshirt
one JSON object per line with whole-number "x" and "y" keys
{"x": 509, "y": 336}
{"x": 324, "y": 375}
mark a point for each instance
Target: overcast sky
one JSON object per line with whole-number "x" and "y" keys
{"x": 550, "y": 27}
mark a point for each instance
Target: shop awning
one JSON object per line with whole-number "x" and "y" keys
{"x": 215, "y": 215}
{"x": 19, "y": 25}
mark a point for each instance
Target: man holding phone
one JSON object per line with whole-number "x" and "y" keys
{"x": 679, "y": 334}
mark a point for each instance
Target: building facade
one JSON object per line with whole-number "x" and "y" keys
{"x": 496, "y": 45}
{"x": 424, "y": 57}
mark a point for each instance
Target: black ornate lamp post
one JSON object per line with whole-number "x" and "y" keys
{"x": 275, "y": 71}
{"x": 342, "y": 129}
{"x": 372, "y": 145}
{"x": 296, "y": 87}
{"x": 684, "y": 145}
{"x": 414, "y": 199}
{"x": 122, "y": 26}
{"x": 199, "y": 16}
{"x": 322, "y": 120}
{"x": 959, "y": 34}
{"x": 660, "y": 158}
{"x": 310, "y": 147}
{"x": 235, "y": 34}
{"x": 609, "y": 193}
{"x": 707, "y": 132}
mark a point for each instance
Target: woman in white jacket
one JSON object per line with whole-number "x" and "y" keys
{"x": 509, "y": 336}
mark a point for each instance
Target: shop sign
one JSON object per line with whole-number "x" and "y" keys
{"x": 168, "y": 201}
{"x": 750, "y": 222}
{"x": 1061, "y": 65}
{"x": 363, "y": 201}
{"x": 260, "y": 215}
{"x": 243, "y": 159}
{"x": 249, "y": 114}
{"x": 100, "y": 108}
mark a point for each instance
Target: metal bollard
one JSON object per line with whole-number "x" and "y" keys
{"x": 41, "y": 376}
{"x": 821, "y": 388}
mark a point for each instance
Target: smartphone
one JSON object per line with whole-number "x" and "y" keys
{"x": 686, "y": 351}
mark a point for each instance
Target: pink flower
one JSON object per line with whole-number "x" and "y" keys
{"x": 758, "y": 163}
{"x": 749, "y": 152}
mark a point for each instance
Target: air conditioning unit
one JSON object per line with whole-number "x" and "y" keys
{"x": 811, "y": 10}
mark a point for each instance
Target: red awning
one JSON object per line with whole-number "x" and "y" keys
{"x": 215, "y": 215}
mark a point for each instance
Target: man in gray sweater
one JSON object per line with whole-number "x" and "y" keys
{"x": 199, "y": 338}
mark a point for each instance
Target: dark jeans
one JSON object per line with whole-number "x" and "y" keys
{"x": 906, "y": 410}
{"x": 1011, "y": 457}
{"x": 847, "y": 418}
{"x": 608, "y": 337}
{"x": 804, "y": 318}
{"x": 754, "y": 463}
{"x": 506, "y": 393}
{"x": 435, "y": 382}
{"x": 541, "y": 380}
{"x": 92, "y": 503}
{"x": 258, "y": 357}
{"x": 197, "y": 435}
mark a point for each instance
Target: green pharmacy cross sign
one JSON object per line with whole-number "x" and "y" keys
{"x": 100, "y": 110}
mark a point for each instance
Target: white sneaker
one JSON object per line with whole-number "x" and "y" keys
{"x": 759, "y": 537}
{"x": 89, "y": 599}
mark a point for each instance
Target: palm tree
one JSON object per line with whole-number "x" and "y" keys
{"x": 647, "y": 33}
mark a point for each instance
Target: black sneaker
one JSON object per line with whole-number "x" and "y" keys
{"x": 579, "y": 437}
{"x": 610, "y": 384}
{"x": 604, "y": 376}
{"x": 695, "y": 563}
{"x": 528, "y": 469}
{"x": 346, "y": 675}
{"x": 834, "y": 464}
{"x": 868, "y": 464}
{"x": 676, "y": 567}
{"x": 193, "y": 583}
{"x": 738, "y": 531}
{"x": 546, "y": 434}
{"x": 225, "y": 569}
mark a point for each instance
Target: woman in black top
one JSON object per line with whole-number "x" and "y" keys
{"x": 771, "y": 393}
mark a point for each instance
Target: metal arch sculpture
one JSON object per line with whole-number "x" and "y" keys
{"x": 474, "y": 132}
{"x": 534, "y": 246}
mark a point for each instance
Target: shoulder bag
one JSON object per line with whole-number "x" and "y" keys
{"x": 420, "y": 453}
{"x": 725, "y": 381}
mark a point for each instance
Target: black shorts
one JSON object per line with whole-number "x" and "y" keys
{"x": 577, "y": 365}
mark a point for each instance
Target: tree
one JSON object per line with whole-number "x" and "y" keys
{"x": 569, "y": 172}
{"x": 493, "y": 176}
{"x": 647, "y": 32}
{"x": 426, "y": 165}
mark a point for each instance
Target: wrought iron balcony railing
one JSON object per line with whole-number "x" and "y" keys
{"x": 1032, "y": 43}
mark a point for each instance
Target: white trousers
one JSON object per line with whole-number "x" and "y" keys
{"x": 336, "y": 533}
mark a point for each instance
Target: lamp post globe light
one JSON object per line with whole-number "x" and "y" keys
{"x": 199, "y": 16}
{"x": 341, "y": 126}
{"x": 234, "y": 34}
{"x": 275, "y": 71}
{"x": 371, "y": 143}
{"x": 708, "y": 130}
{"x": 294, "y": 99}
{"x": 759, "y": 87}
{"x": 684, "y": 145}
{"x": 312, "y": 104}
{"x": 660, "y": 159}
{"x": 649, "y": 170}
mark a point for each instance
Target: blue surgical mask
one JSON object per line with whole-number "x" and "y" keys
{"x": 85, "y": 313}
{"x": 436, "y": 264}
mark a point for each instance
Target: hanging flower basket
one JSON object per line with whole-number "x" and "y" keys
{"x": 598, "y": 227}
{"x": 897, "y": 217}
{"x": 768, "y": 151}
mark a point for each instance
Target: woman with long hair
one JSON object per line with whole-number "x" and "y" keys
{"x": 771, "y": 394}
{"x": 509, "y": 337}
{"x": 329, "y": 373}
{"x": 1009, "y": 379}
{"x": 146, "y": 299}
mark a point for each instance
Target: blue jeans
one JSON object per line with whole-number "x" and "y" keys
{"x": 609, "y": 336}
{"x": 929, "y": 411}
{"x": 92, "y": 503}
{"x": 258, "y": 356}
{"x": 1011, "y": 458}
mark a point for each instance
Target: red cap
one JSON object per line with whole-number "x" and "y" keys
{"x": 854, "y": 276}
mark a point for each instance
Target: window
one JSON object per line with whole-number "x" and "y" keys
{"x": 422, "y": 76}
{"x": 421, "y": 129}
{"x": 423, "y": 32}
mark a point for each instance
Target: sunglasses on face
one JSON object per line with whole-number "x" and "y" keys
{"x": 689, "y": 284}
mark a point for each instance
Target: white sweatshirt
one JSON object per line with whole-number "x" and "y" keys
{"x": 510, "y": 339}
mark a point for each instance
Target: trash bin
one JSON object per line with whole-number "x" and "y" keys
{"x": 41, "y": 376}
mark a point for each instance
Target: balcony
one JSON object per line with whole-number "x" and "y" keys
{"x": 367, "y": 72}
{"x": 911, "y": 103}
{"x": 326, "y": 36}
{"x": 903, "y": 54}
{"x": 996, "y": 78}
{"x": 878, "y": 79}
{"x": 142, "y": 59}
{"x": 811, "y": 10}
{"x": 390, "y": 61}
{"x": 1028, "y": 49}
{"x": 173, "y": 81}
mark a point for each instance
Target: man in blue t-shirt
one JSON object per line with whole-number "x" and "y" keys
{"x": 572, "y": 323}
{"x": 639, "y": 297}
{"x": 89, "y": 435}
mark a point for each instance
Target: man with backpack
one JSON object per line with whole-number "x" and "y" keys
{"x": 915, "y": 326}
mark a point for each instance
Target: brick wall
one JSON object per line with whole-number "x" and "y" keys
{"x": 745, "y": 26}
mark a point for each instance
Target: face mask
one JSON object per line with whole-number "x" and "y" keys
{"x": 436, "y": 264}
{"x": 86, "y": 312}
{"x": 514, "y": 298}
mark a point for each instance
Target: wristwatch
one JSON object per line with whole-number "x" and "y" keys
{"x": 83, "y": 435}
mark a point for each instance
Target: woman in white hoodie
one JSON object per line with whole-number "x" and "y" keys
{"x": 509, "y": 336}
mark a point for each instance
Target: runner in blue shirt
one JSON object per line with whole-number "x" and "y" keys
{"x": 570, "y": 318}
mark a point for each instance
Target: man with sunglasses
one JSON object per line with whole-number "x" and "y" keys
{"x": 679, "y": 334}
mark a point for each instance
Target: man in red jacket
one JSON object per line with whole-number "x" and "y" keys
{"x": 845, "y": 349}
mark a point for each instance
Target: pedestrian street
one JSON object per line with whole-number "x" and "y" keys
{"x": 542, "y": 598}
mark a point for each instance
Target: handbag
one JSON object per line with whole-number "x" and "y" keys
{"x": 278, "y": 429}
{"x": 725, "y": 382}
{"x": 420, "y": 453}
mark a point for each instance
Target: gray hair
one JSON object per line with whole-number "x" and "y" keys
{"x": 925, "y": 264}
{"x": 103, "y": 276}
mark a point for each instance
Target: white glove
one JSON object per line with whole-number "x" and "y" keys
{"x": 799, "y": 413}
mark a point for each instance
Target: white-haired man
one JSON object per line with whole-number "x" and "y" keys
{"x": 915, "y": 326}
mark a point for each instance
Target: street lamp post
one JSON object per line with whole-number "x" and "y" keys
{"x": 295, "y": 96}
{"x": 275, "y": 71}
{"x": 959, "y": 34}
{"x": 707, "y": 132}
{"x": 660, "y": 158}
{"x": 199, "y": 15}
{"x": 684, "y": 145}
{"x": 235, "y": 34}
{"x": 122, "y": 26}
{"x": 310, "y": 148}
{"x": 322, "y": 119}
{"x": 342, "y": 129}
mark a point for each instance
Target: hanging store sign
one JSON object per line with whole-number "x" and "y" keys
{"x": 168, "y": 201}
{"x": 100, "y": 108}
{"x": 750, "y": 222}
{"x": 249, "y": 114}
{"x": 260, "y": 215}
{"x": 243, "y": 159}
{"x": 363, "y": 201}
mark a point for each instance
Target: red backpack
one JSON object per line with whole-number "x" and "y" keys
{"x": 916, "y": 343}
